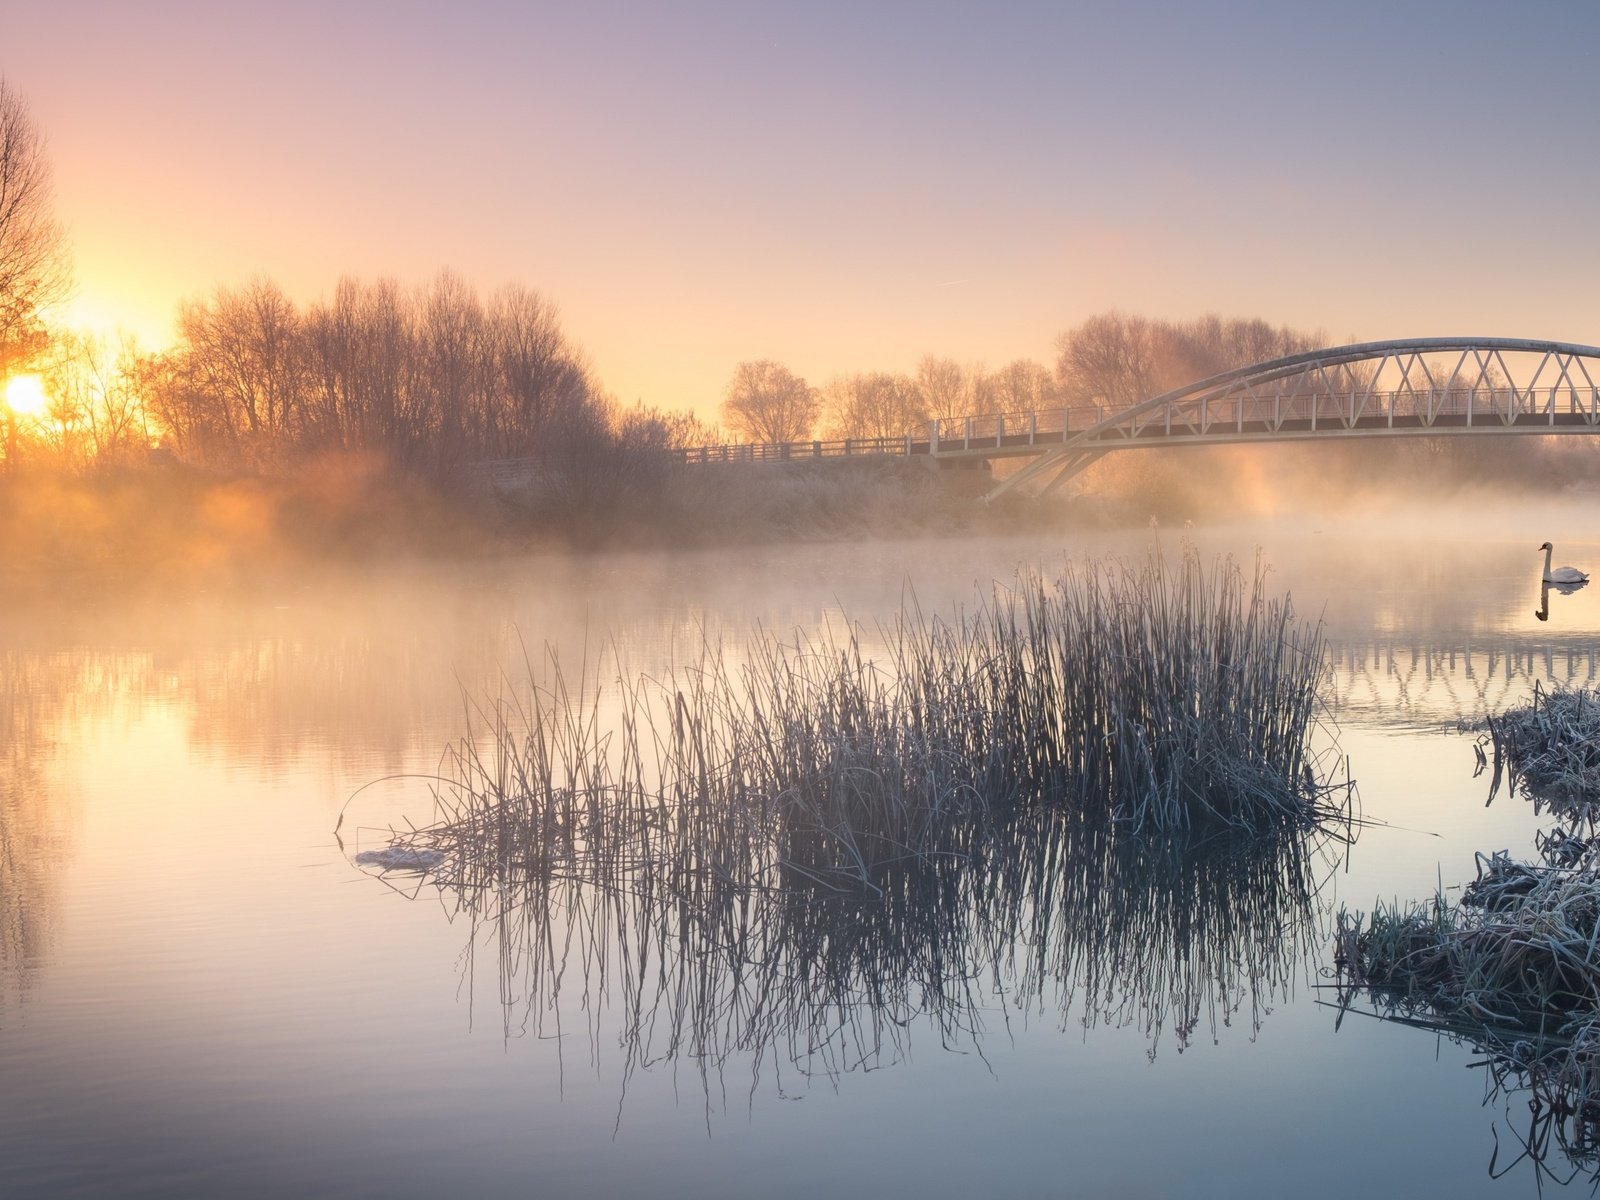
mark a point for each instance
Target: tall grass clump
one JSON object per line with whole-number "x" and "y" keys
{"x": 1550, "y": 749}
{"x": 1097, "y": 787}
{"x": 1511, "y": 968}
{"x": 1165, "y": 699}
{"x": 1169, "y": 697}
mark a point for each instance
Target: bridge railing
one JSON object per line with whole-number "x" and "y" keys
{"x": 1015, "y": 428}
{"x": 1253, "y": 410}
{"x": 1360, "y": 408}
{"x": 766, "y": 452}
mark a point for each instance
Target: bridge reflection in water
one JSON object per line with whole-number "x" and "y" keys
{"x": 1424, "y": 680}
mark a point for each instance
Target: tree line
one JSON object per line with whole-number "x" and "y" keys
{"x": 430, "y": 379}
{"x": 1113, "y": 358}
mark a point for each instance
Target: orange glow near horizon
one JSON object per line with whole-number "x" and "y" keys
{"x": 690, "y": 198}
{"x": 115, "y": 313}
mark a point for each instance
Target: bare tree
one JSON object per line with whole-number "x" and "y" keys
{"x": 97, "y": 405}
{"x": 545, "y": 402}
{"x": 768, "y": 403}
{"x": 33, "y": 256}
{"x": 943, "y": 385}
{"x": 362, "y": 357}
{"x": 982, "y": 391}
{"x": 1023, "y": 386}
{"x": 875, "y": 405}
{"x": 242, "y": 350}
{"x": 1110, "y": 359}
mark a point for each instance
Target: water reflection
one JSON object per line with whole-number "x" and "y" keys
{"x": 1449, "y": 678}
{"x": 1561, "y": 589}
{"x": 1045, "y": 914}
{"x": 35, "y": 825}
{"x": 1506, "y": 965}
{"x": 326, "y": 685}
{"x": 1541, "y": 1090}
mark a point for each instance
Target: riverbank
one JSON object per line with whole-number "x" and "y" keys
{"x": 174, "y": 521}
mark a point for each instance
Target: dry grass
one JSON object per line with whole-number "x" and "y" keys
{"x": 1513, "y": 969}
{"x": 1550, "y": 749}
{"x": 1093, "y": 788}
{"x": 1163, "y": 699}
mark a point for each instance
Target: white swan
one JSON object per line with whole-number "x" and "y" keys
{"x": 1560, "y": 574}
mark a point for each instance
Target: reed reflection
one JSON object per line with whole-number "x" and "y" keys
{"x": 1048, "y": 913}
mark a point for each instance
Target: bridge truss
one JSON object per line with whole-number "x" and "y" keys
{"x": 1416, "y": 387}
{"x": 1426, "y": 387}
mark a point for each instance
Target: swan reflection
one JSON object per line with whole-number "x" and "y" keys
{"x": 1547, "y": 586}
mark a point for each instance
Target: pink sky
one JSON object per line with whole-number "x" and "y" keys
{"x": 840, "y": 187}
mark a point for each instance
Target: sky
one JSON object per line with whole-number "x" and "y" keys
{"x": 839, "y": 187}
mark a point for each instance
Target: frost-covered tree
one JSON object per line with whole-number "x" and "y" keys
{"x": 33, "y": 254}
{"x": 767, "y": 402}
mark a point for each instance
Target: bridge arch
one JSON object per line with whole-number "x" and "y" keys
{"x": 1407, "y": 387}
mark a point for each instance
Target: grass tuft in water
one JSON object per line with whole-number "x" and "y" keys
{"x": 1512, "y": 968}
{"x": 1550, "y": 749}
{"x": 1165, "y": 699}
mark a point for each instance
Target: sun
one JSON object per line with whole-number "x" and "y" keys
{"x": 25, "y": 395}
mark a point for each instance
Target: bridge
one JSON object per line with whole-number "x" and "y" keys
{"x": 1418, "y": 387}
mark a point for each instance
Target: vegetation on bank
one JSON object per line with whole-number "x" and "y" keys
{"x": 1512, "y": 966}
{"x": 1550, "y": 749}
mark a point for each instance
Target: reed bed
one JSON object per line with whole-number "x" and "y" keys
{"x": 1163, "y": 698}
{"x": 1550, "y": 749}
{"x": 1513, "y": 968}
{"x": 1100, "y": 787}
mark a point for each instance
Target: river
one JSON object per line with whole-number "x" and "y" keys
{"x": 202, "y": 994}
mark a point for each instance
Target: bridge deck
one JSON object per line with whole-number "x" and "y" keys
{"x": 1226, "y": 420}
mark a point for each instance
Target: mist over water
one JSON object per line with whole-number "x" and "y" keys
{"x": 201, "y": 993}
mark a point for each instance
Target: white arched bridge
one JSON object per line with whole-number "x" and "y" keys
{"x": 1419, "y": 387}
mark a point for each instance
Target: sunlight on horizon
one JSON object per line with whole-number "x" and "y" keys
{"x": 25, "y": 395}
{"x": 113, "y": 318}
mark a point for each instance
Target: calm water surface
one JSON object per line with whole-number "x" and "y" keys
{"x": 200, "y": 994}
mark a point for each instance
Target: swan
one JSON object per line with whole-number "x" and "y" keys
{"x": 1560, "y": 574}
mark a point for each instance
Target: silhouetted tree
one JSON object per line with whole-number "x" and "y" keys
{"x": 1120, "y": 360}
{"x": 429, "y": 381}
{"x": 876, "y": 405}
{"x": 1022, "y": 386}
{"x": 96, "y": 413}
{"x": 943, "y": 385}
{"x": 33, "y": 255}
{"x": 547, "y": 406}
{"x": 241, "y": 351}
{"x": 768, "y": 403}
{"x": 1109, "y": 359}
